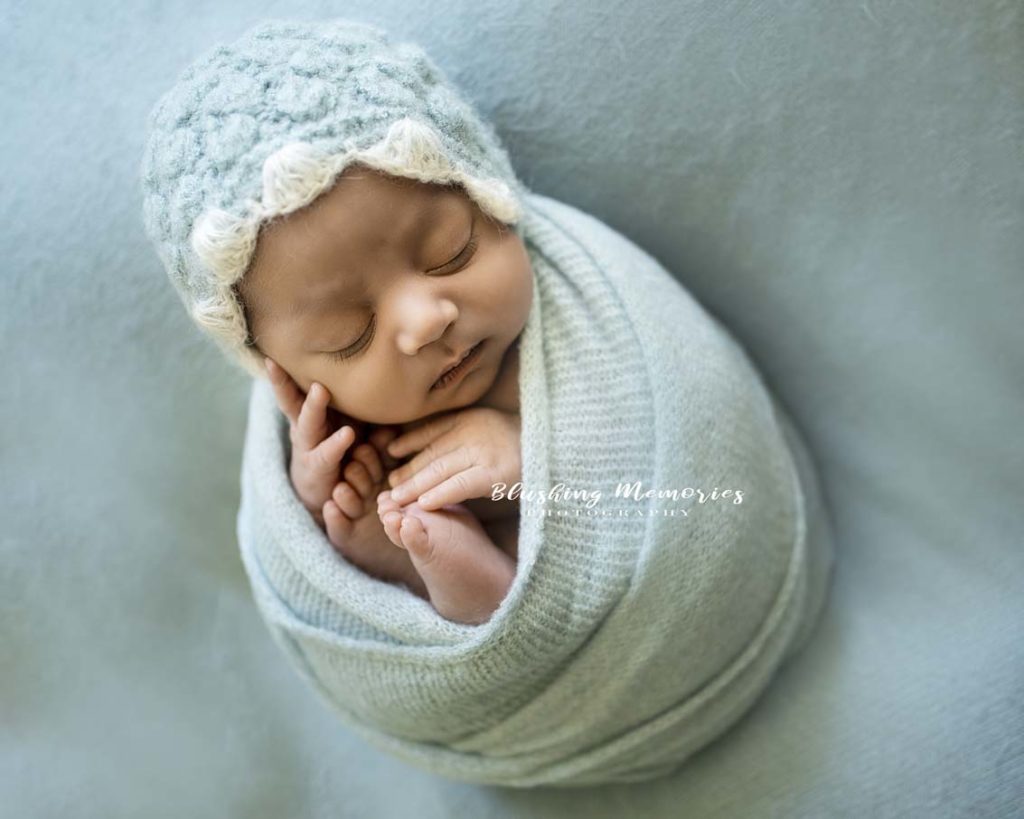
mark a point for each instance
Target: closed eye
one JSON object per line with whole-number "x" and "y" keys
{"x": 463, "y": 257}
{"x": 352, "y": 349}
{"x": 459, "y": 261}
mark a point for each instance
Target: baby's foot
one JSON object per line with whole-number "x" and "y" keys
{"x": 466, "y": 575}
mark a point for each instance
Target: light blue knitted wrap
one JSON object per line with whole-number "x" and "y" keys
{"x": 630, "y": 638}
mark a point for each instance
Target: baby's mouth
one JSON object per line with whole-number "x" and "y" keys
{"x": 453, "y": 372}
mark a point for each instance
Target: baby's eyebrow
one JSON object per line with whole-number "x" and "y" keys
{"x": 432, "y": 215}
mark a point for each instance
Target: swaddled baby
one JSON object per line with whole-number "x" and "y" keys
{"x": 422, "y": 327}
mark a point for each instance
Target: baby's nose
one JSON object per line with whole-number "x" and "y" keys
{"x": 423, "y": 326}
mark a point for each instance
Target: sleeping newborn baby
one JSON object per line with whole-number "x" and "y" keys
{"x": 422, "y": 329}
{"x": 397, "y": 302}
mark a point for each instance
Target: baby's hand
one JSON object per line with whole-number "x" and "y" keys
{"x": 460, "y": 456}
{"x": 354, "y": 525}
{"x": 319, "y": 440}
{"x": 341, "y": 500}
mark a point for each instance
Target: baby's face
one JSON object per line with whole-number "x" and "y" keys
{"x": 378, "y": 286}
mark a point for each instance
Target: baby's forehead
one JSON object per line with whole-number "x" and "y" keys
{"x": 365, "y": 198}
{"x": 363, "y": 214}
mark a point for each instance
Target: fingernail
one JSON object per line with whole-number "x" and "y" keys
{"x": 392, "y": 449}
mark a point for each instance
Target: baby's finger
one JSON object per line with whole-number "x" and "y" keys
{"x": 367, "y": 456}
{"x": 380, "y": 438}
{"x": 286, "y": 391}
{"x": 328, "y": 454}
{"x": 423, "y": 459}
{"x": 348, "y": 501}
{"x": 358, "y": 478}
{"x": 434, "y": 474}
{"x": 309, "y": 430}
{"x": 339, "y": 527}
{"x": 418, "y": 438}
{"x": 472, "y": 483}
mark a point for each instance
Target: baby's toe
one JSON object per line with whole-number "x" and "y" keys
{"x": 392, "y": 521}
{"x": 348, "y": 501}
{"x": 415, "y": 538}
{"x": 380, "y": 438}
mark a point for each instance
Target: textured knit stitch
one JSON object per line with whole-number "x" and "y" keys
{"x": 625, "y": 643}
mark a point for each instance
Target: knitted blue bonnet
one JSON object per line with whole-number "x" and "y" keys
{"x": 260, "y": 127}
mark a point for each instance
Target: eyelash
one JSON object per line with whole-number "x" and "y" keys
{"x": 468, "y": 251}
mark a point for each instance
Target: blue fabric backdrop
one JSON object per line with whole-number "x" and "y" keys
{"x": 840, "y": 183}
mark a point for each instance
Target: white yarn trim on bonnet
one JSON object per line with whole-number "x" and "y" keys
{"x": 295, "y": 175}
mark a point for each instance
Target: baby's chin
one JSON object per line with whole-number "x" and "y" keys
{"x": 406, "y": 419}
{"x": 458, "y": 400}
